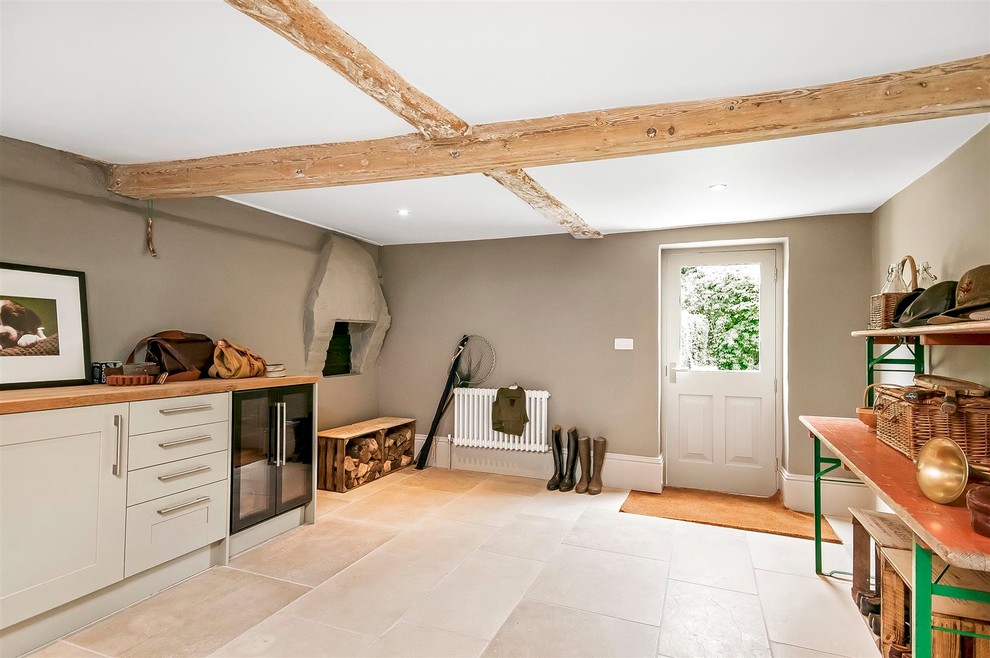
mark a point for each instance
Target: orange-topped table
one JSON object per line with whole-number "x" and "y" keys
{"x": 943, "y": 529}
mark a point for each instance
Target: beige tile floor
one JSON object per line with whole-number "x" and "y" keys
{"x": 453, "y": 563}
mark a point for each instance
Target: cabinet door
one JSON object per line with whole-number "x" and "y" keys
{"x": 295, "y": 485}
{"x": 62, "y": 506}
{"x": 253, "y": 468}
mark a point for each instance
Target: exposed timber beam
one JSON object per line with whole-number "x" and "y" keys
{"x": 523, "y": 186}
{"x": 309, "y": 29}
{"x": 933, "y": 92}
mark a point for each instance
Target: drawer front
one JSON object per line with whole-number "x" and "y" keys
{"x": 162, "y": 529}
{"x": 172, "y": 445}
{"x": 171, "y": 478}
{"x": 171, "y": 413}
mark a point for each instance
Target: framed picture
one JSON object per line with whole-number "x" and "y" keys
{"x": 44, "y": 332}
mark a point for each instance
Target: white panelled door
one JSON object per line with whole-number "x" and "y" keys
{"x": 718, "y": 409}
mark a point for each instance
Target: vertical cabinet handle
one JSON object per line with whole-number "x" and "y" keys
{"x": 118, "y": 424}
{"x": 278, "y": 434}
{"x": 285, "y": 423}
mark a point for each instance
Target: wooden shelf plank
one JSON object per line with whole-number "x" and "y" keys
{"x": 364, "y": 427}
{"x": 902, "y": 562}
{"x": 886, "y": 529}
{"x": 976, "y": 332}
{"x": 64, "y": 397}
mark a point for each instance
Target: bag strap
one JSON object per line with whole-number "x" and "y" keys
{"x": 161, "y": 339}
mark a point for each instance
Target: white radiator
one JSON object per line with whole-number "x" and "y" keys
{"x": 473, "y": 421}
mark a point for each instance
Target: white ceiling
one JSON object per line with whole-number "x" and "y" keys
{"x": 142, "y": 80}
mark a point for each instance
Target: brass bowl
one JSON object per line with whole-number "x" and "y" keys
{"x": 942, "y": 470}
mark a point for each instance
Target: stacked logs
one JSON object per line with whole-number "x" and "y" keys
{"x": 369, "y": 458}
{"x": 398, "y": 450}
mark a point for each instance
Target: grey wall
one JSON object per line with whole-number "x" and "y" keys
{"x": 552, "y": 305}
{"x": 223, "y": 269}
{"x": 944, "y": 218}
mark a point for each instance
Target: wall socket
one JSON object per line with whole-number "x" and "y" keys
{"x": 623, "y": 343}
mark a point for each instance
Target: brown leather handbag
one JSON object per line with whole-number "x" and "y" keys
{"x": 182, "y": 355}
{"x": 232, "y": 361}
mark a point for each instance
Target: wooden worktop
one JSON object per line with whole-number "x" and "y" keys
{"x": 64, "y": 397}
{"x": 890, "y": 475}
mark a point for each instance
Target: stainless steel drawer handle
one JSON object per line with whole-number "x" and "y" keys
{"x": 183, "y": 410}
{"x": 201, "y": 499}
{"x": 172, "y": 476}
{"x": 179, "y": 442}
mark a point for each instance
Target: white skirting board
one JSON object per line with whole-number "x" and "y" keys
{"x": 620, "y": 471}
{"x": 837, "y": 498}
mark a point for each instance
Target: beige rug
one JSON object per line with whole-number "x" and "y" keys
{"x": 727, "y": 510}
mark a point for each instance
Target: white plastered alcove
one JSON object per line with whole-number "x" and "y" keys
{"x": 345, "y": 288}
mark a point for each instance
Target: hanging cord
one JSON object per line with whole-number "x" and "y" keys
{"x": 151, "y": 231}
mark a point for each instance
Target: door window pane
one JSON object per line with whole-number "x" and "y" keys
{"x": 720, "y": 317}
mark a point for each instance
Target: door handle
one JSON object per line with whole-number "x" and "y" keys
{"x": 672, "y": 372}
{"x": 179, "y": 442}
{"x": 118, "y": 424}
{"x": 278, "y": 434}
{"x": 182, "y": 410}
{"x": 171, "y": 476}
{"x": 190, "y": 503}
{"x": 285, "y": 424}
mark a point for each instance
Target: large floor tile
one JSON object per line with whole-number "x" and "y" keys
{"x": 610, "y": 499}
{"x": 622, "y": 586}
{"x": 794, "y": 556}
{"x": 484, "y": 507}
{"x": 629, "y": 534}
{"x": 327, "y": 503}
{"x": 814, "y": 613}
{"x": 440, "y": 539}
{"x": 397, "y": 506}
{"x": 445, "y": 479}
{"x": 63, "y": 649}
{"x": 532, "y": 537}
{"x": 282, "y": 636}
{"x": 700, "y": 621}
{"x": 405, "y": 640}
{"x": 787, "y": 651}
{"x": 513, "y": 485}
{"x": 372, "y": 594}
{"x": 567, "y": 506}
{"x": 542, "y": 630}
{"x": 194, "y": 618}
{"x": 716, "y": 559}
{"x": 311, "y": 554}
{"x": 478, "y": 596}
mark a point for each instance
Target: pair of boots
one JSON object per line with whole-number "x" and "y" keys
{"x": 563, "y": 474}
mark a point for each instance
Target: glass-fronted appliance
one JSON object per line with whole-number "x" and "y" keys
{"x": 272, "y": 453}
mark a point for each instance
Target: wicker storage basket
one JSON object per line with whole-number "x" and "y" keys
{"x": 907, "y": 426}
{"x": 882, "y": 306}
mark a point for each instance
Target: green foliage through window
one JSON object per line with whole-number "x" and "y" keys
{"x": 720, "y": 317}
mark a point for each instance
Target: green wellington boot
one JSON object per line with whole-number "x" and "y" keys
{"x": 595, "y": 487}
{"x": 558, "y": 461}
{"x": 584, "y": 455}
{"x": 567, "y": 479}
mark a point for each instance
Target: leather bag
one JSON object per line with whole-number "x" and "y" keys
{"x": 184, "y": 356}
{"x": 232, "y": 361}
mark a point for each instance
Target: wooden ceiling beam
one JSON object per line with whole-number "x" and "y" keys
{"x": 306, "y": 27}
{"x": 944, "y": 90}
{"x": 523, "y": 186}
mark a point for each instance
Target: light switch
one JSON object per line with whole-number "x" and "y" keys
{"x": 623, "y": 343}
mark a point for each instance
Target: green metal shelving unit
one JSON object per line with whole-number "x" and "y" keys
{"x": 923, "y": 588}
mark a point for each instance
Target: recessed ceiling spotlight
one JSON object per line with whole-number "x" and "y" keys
{"x": 403, "y": 212}
{"x": 717, "y": 187}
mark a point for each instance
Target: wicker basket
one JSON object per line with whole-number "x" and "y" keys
{"x": 907, "y": 426}
{"x": 882, "y": 306}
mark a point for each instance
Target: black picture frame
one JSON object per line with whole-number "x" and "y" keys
{"x": 75, "y": 369}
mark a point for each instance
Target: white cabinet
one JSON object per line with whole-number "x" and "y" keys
{"x": 62, "y": 506}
